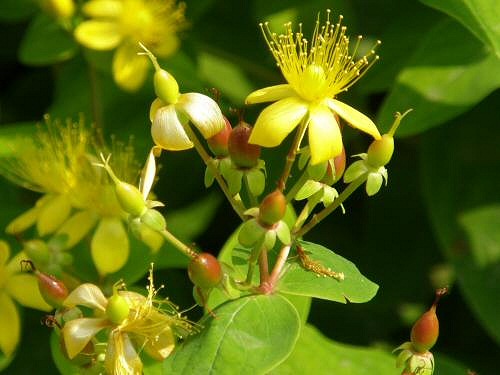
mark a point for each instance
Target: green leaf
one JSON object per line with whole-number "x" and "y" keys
{"x": 316, "y": 354}
{"x": 250, "y": 335}
{"x": 298, "y": 280}
{"x": 479, "y": 16}
{"x": 449, "y": 72}
{"x": 463, "y": 156}
{"x": 482, "y": 226}
{"x": 63, "y": 364}
{"x": 16, "y": 10}
{"x": 46, "y": 42}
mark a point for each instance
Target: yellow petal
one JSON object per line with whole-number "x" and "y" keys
{"x": 121, "y": 357}
{"x": 109, "y": 246}
{"x": 277, "y": 121}
{"x": 355, "y": 118}
{"x": 24, "y": 289}
{"x": 148, "y": 174}
{"x": 162, "y": 346}
{"x": 10, "y": 326}
{"x": 98, "y": 35}
{"x": 88, "y": 295}
{"x": 77, "y": 226}
{"x": 129, "y": 68}
{"x": 103, "y": 8}
{"x": 14, "y": 265}
{"x": 4, "y": 252}
{"x": 53, "y": 214}
{"x": 151, "y": 238}
{"x": 168, "y": 45}
{"x": 23, "y": 221}
{"x": 203, "y": 112}
{"x": 78, "y": 332}
{"x": 325, "y": 139}
{"x": 155, "y": 106}
{"x": 270, "y": 94}
{"x": 168, "y": 132}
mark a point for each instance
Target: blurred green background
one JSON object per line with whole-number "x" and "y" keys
{"x": 437, "y": 221}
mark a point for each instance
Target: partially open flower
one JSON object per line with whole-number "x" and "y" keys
{"x": 316, "y": 73}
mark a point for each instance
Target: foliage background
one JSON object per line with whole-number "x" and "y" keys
{"x": 439, "y": 215}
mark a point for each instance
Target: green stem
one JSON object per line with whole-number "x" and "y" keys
{"x": 263, "y": 266}
{"x": 306, "y": 211}
{"x": 278, "y": 267}
{"x": 292, "y": 153}
{"x": 316, "y": 219}
{"x": 209, "y": 162}
{"x": 297, "y": 186}
{"x": 178, "y": 244}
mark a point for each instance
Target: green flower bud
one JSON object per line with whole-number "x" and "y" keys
{"x": 53, "y": 290}
{"x": 272, "y": 208}
{"x": 130, "y": 198}
{"x": 219, "y": 142}
{"x": 425, "y": 331}
{"x": 38, "y": 251}
{"x": 166, "y": 87}
{"x": 205, "y": 271}
{"x": 154, "y": 220}
{"x": 243, "y": 154}
{"x": 380, "y": 151}
{"x": 117, "y": 309}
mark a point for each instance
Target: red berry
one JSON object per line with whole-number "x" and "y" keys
{"x": 219, "y": 142}
{"x": 272, "y": 208}
{"x": 53, "y": 290}
{"x": 205, "y": 271}
{"x": 243, "y": 154}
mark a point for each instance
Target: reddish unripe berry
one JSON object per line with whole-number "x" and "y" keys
{"x": 205, "y": 271}
{"x": 272, "y": 208}
{"x": 219, "y": 142}
{"x": 425, "y": 331}
{"x": 243, "y": 154}
{"x": 53, "y": 290}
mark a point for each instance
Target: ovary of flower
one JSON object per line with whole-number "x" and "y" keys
{"x": 15, "y": 286}
{"x": 121, "y": 24}
{"x": 316, "y": 73}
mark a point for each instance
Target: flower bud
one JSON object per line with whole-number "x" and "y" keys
{"x": 339, "y": 164}
{"x": 117, "y": 309}
{"x": 166, "y": 87}
{"x": 272, "y": 208}
{"x": 243, "y": 154}
{"x": 205, "y": 271}
{"x": 219, "y": 142}
{"x": 53, "y": 290}
{"x": 425, "y": 331}
{"x": 154, "y": 220}
{"x": 380, "y": 151}
{"x": 130, "y": 198}
{"x": 38, "y": 251}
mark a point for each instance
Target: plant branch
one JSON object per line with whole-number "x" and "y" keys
{"x": 292, "y": 153}
{"x": 178, "y": 244}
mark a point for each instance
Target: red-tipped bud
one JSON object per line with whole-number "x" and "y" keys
{"x": 117, "y": 309}
{"x": 219, "y": 142}
{"x": 53, "y": 290}
{"x": 425, "y": 331}
{"x": 339, "y": 164}
{"x": 272, "y": 208}
{"x": 205, "y": 271}
{"x": 243, "y": 154}
{"x": 380, "y": 151}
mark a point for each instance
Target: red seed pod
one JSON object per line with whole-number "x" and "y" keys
{"x": 219, "y": 142}
{"x": 53, "y": 290}
{"x": 205, "y": 271}
{"x": 243, "y": 154}
{"x": 339, "y": 163}
{"x": 272, "y": 208}
{"x": 425, "y": 331}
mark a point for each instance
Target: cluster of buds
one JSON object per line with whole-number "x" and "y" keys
{"x": 414, "y": 356}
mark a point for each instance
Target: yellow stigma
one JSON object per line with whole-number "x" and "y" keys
{"x": 325, "y": 66}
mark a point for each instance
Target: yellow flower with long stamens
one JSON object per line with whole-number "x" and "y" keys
{"x": 15, "y": 286}
{"x": 316, "y": 73}
{"x": 148, "y": 324}
{"x": 122, "y": 24}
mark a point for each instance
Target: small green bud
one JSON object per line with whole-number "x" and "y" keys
{"x": 154, "y": 220}
{"x": 166, "y": 87}
{"x": 272, "y": 208}
{"x": 219, "y": 142}
{"x": 243, "y": 154}
{"x": 205, "y": 271}
{"x": 117, "y": 309}
{"x": 130, "y": 198}
{"x": 380, "y": 151}
{"x": 53, "y": 290}
{"x": 38, "y": 251}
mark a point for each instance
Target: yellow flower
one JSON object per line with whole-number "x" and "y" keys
{"x": 316, "y": 73}
{"x": 122, "y": 24}
{"x": 18, "y": 286}
{"x": 78, "y": 196}
{"x": 153, "y": 325}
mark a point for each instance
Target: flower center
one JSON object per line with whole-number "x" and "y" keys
{"x": 312, "y": 83}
